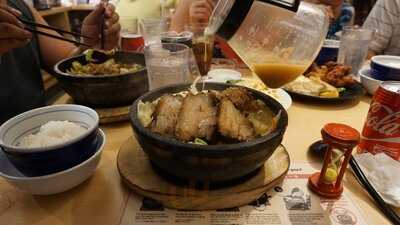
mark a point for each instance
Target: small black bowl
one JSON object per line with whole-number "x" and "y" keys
{"x": 104, "y": 90}
{"x": 207, "y": 163}
{"x": 39, "y": 161}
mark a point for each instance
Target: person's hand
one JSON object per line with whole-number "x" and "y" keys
{"x": 200, "y": 11}
{"x": 91, "y": 27}
{"x": 329, "y": 12}
{"x": 12, "y": 33}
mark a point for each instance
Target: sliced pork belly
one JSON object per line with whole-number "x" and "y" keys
{"x": 232, "y": 123}
{"x": 166, "y": 114}
{"x": 197, "y": 118}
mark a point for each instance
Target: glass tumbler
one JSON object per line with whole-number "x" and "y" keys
{"x": 167, "y": 63}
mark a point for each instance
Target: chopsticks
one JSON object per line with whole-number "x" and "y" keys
{"x": 102, "y": 26}
{"x": 27, "y": 22}
{"x": 387, "y": 210}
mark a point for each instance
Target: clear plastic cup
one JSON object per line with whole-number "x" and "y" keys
{"x": 353, "y": 49}
{"x": 151, "y": 29}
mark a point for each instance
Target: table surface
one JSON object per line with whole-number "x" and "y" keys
{"x": 102, "y": 199}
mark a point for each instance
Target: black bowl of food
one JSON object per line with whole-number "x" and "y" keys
{"x": 216, "y": 135}
{"x": 103, "y": 80}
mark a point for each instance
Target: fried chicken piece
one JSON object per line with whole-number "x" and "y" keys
{"x": 232, "y": 124}
{"x": 339, "y": 76}
{"x": 332, "y": 73}
{"x": 239, "y": 96}
{"x": 166, "y": 114}
{"x": 197, "y": 118}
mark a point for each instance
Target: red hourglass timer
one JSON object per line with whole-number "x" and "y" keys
{"x": 341, "y": 139}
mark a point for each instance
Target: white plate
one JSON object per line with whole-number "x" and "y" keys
{"x": 224, "y": 75}
{"x": 284, "y": 98}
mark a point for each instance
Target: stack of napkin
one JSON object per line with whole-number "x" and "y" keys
{"x": 382, "y": 172}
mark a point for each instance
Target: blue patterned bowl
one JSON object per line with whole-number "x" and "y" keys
{"x": 385, "y": 67}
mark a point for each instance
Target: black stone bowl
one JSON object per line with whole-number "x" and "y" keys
{"x": 39, "y": 161}
{"x": 207, "y": 163}
{"x": 104, "y": 90}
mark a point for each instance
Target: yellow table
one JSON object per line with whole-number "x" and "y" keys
{"x": 102, "y": 199}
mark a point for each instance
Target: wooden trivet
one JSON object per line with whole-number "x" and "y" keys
{"x": 107, "y": 115}
{"x": 136, "y": 171}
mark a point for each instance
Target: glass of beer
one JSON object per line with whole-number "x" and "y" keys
{"x": 202, "y": 46}
{"x": 131, "y": 40}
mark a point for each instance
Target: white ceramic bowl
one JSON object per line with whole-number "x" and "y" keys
{"x": 53, "y": 183}
{"x": 40, "y": 161}
{"x": 370, "y": 84}
{"x": 13, "y": 130}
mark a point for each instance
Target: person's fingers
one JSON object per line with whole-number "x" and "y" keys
{"x": 200, "y": 15}
{"x": 111, "y": 21}
{"x": 7, "y": 17}
{"x": 12, "y": 43}
{"x": 206, "y": 4}
{"x": 201, "y": 11}
{"x": 110, "y": 10}
{"x": 95, "y": 15}
{"x": 201, "y": 4}
{"x": 212, "y": 3}
{"x": 8, "y": 31}
{"x": 330, "y": 13}
{"x": 115, "y": 29}
{"x": 10, "y": 10}
{"x": 199, "y": 18}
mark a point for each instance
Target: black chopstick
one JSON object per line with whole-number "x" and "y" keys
{"x": 56, "y": 37}
{"x": 387, "y": 210}
{"x": 52, "y": 28}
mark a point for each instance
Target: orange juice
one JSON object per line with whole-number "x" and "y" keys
{"x": 275, "y": 75}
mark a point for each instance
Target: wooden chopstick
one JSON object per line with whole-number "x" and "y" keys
{"x": 52, "y": 28}
{"x": 102, "y": 26}
{"x": 56, "y": 37}
{"x": 387, "y": 210}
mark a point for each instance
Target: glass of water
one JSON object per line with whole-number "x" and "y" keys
{"x": 167, "y": 63}
{"x": 353, "y": 49}
{"x": 151, "y": 29}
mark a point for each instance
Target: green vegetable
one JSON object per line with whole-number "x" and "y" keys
{"x": 233, "y": 81}
{"x": 89, "y": 55}
{"x": 341, "y": 89}
{"x": 198, "y": 141}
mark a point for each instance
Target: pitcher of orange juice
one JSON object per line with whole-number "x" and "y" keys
{"x": 277, "y": 39}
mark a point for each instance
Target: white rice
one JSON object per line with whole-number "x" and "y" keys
{"x": 52, "y": 133}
